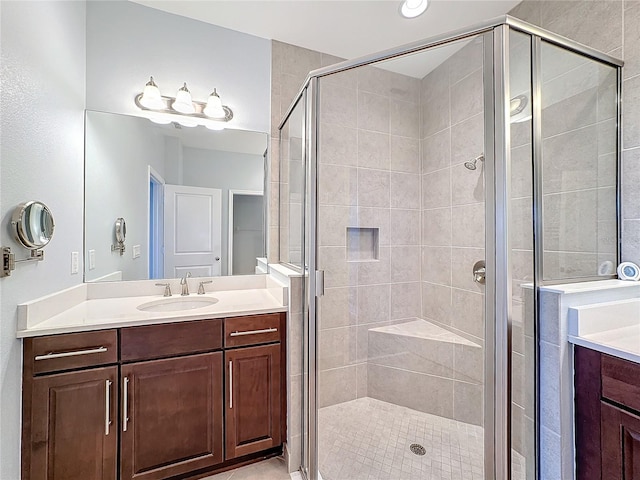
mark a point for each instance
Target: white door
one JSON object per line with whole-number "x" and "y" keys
{"x": 192, "y": 231}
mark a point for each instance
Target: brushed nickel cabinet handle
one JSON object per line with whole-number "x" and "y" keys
{"x": 230, "y": 384}
{"x": 252, "y": 332}
{"x": 107, "y": 405}
{"x": 125, "y": 403}
{"x": 75, "y": 353}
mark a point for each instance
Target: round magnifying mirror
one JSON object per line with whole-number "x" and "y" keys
{"x": 33, "y": 224}
{"x": 121, "y": 230}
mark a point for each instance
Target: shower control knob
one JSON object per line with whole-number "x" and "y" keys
{"x": 479, "y": 272}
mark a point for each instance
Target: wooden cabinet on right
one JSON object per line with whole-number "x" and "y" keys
{"x": 607, "y": 416}
{"x": 253, "y": 400}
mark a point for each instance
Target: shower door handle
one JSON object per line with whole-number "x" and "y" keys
{"x": 479, "y": 272}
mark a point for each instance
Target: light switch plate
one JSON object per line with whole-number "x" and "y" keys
{"x": 136, "y": 251}
{"x": 75, "y": 261}
{"x": 92, "y": 259}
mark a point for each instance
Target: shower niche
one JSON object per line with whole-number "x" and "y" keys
{"x": 363, "y": 244}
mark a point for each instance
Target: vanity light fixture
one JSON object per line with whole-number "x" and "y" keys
{"x": 183, "y": 109}
{"x": 413, "y": 8}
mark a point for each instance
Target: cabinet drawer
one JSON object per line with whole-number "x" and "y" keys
{"x": 241, "y": 331}
{"x": 157, "y": 341}
{"x": 74, "y": 350}
{"x": 621, "y": 381}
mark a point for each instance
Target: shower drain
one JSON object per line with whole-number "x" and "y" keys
{"x": 417, "y": 449}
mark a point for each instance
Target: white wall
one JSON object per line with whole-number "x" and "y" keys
{"x": 41, "y": 153}
{"x": 119, "y": 150}
{"x": 127, "y": 43}
{"x": 224, "y": 170}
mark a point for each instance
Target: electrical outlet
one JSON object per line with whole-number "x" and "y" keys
{"x": 92, "y": 259}
{"x": 75, "y": 262}
{"x": 136, "y": 251}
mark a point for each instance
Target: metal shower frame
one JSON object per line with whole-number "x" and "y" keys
{"x": 498, "y": 351}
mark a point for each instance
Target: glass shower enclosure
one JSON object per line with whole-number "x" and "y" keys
{"x": 426, "y": 193}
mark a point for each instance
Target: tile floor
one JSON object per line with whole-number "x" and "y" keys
{"x": 367, "y": 439}
{"x": 272, "y": 469}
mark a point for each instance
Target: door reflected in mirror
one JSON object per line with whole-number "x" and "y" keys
{"x": 193, "y": 199}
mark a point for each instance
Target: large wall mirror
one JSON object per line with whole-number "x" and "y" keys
{"x": 193, "y": 199}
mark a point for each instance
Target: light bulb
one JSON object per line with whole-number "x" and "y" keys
{"x": 187, "y": 122}
{"x": 413, "y": 8}
{"x": 151, "y": 97}
{"x": 183, "y": 102}
{"x": 214, "y": 106}
{"x": 217, "y": 126}
{"x": 160, "y": 118}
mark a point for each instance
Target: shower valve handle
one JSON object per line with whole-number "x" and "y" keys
{"x": 479, "y": 272}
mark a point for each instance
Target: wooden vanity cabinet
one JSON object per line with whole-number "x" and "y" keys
{"x": 175, "y": 400}
{"x": 172, "y": 419}
{"x": 253, "y": 400}
{"x": 70, "y": 427}
{"x": 607, "y": 416}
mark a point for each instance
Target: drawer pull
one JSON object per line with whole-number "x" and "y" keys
{"x": 253, "y": 332}
{"x": 75, "y": 353}
{"x": 125, "y": 403}
{"x": 230, "y": 384}
{"x": 107, "y": 405}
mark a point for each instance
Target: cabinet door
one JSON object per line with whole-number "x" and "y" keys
{"x": 253, "y": 399}
{"x": 620, "y": 444}
{"x": 73, "y": 433}
{"x": 171, "y": 416}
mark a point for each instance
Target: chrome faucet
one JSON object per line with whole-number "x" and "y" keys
{"x": 185, "y": 284}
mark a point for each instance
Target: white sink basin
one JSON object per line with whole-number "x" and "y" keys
{"x": 177, "y": 304}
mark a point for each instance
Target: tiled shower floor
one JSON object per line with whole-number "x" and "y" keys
{"x": 367, "y": 439}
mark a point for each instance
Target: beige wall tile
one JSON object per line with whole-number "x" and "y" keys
{"x": 436, "y": 189}
{"x": 468, "y": 226}
{"x": 436, "y": 227}
{"x": 436, "y": 151}
{"x": 373, "y": 150}
{"x": 338, "y": 145}
{"x": 436, "y": 303}
{"x": 338, "y": 307}
{"x": 405, "y": 154}
{"x": 373, "y": 112}
{"x": 405, "y": 264}
{"x": 336, "y": 386}
{"x": 373, "y": 188}
{"x": 405, "y": 227}
{"x": 405, "y": 190}
{"x": 436, "y": 265}
{"x": 406, "y": 300}
{"x": 467, "y": 97}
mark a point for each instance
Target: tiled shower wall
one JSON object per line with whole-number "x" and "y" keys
{"x": 453, "y": 230}
{"x": 611, "y": 26}
{"x": 368, "y": 178}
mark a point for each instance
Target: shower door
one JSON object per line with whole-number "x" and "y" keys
{"x": 401, "y": 207}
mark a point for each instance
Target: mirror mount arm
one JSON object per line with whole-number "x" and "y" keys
{"x": 9, "y": 260}
{"x": 120, "y": 247}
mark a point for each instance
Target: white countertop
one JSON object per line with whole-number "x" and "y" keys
{"x": 611, "y": 327}
{"x": 75, "y": 310}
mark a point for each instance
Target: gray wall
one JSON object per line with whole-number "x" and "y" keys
{"x": 42, "y": 138}
{"x": 127, "y": 42}
{"x": 119, "y": 150}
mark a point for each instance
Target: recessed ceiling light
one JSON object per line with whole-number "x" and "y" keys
{"x": 413, "y": 8}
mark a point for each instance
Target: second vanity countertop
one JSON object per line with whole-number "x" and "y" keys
{"x": 610, "y": 327}
{"x": 74, "y": 310}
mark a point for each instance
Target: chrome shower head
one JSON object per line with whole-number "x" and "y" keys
{"x": 471, "y": 165}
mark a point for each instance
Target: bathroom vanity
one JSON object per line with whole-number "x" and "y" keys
{"x": 180, "y": 395}
{"x": 607, "y": 389}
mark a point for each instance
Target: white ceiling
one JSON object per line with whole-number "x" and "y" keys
{"x": 347, "y": 29}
